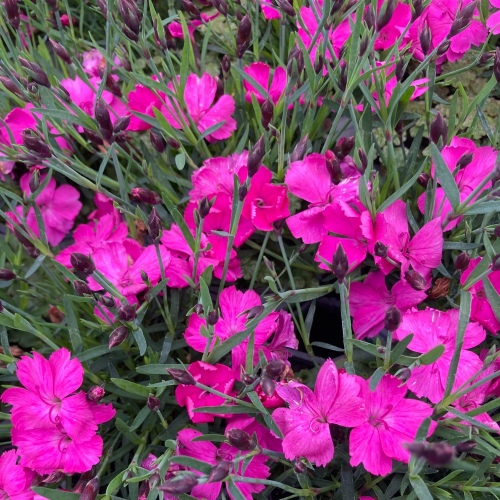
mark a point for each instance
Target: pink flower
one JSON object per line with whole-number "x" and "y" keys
{"x": 269, "y": 9}
{"x": 467, "y": 179}
{"x": 260, "y": 72}
{"x": 104, "y": 206}
{"x": 309, "y": 180}
{"x": 369, "y": 301}
{"x": 93, "y": 61}
{"x": 218, "y": 377}
{"x": 149, "y": 462}
{"x": 390, "y": 33}
{"x": 209, "y": 453}
{"x": 90, "y": 238}
{"x": 15, "y": 481}
{"x": 493, "y": 21}
{"x": 113, "y": 262}
{"x": 265, "y": 203}
{"x": 199, "y": 95}
{"x": 232, "y": 320}
{"x": 390, "y": 421}
{"x": 59, "y": 208}
{"x": 430, "y": 329}
{"x": 481, "y": 310}
{"x": 175, "y": 28}
{"x": 306, "y": 423}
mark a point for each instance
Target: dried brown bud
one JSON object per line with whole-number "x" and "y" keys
{"x": 440, "y": 289}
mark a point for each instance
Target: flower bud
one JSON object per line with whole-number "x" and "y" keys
{"x": 300, "y": 150}
{"x": 466, "y": 446}
{"x": 221, "y": 6}
{"x": 103, "y": 120}
{"x": 212, "y": 317}
{"x": 81, "y": 288}
{"x": 90, "y": 491}
{"x": 204, "y": 207}
{"x": 244, "y": 30}
{"x": 404, "y": 374}
{"x": 400, "y": 69}
{"x": 126, "y": 312}
{"x": 121, "y": 124}
{"x": 333, "y": 167}
{"x": 343, "y": 147}
{"x": 61, "y": 51}
{"x": 380, "y": 250}
{"x": 465, "y": 160}
{"x": 1, "y": 307}
{"x": 81, "y": 263}
{"x": 248, "y": 379}
{"x": 495, "y": 263}
{"x": 198, "y": 309}
{"x": 340, "y": 263}
{"x": 319, "y": 63}
{"x": 416, "y": 280}
{"x": 153, "y": 403}
{"x": 191, "y": 9}
{"x": 146, "y": 196}
{"x": 118, "y": 336}
{"x": 462, "y": 261}
{"x": 179, "y": 485}
{"x": 275, "y": 369}
{"x": 286, "y": 7}
{"x": 7, "y": 275}
{"x": 342, "y": 83}
{"x": 242, "y": 192}
{"x": 299, "y": 467}
{"x": 438, "y": 130}
{"x": 95, "y": 394}
{"x": 496, "y": 231}
{"x": 369, "y": 17}
{"x": 13, "y": 14}
{"x": 93, "y": 137}
{"x": 485, "y": 59}
{"x": 154, "y": 225}
{"x": 443, "y": 48}
{"x": 220, "y": 471}
{"x": 181, "y": 376}
{"x": 363, "y": 159}
{"x": 268, "y": 386}
{"x": 425, "y": 38}
{"x": 173, "y": 143}
{"x": 254, "y": 312}
{"x": 106, "y": 301}
{"x": 35, "y": 72}
{"x": 418, "y": 8}
{"x": 385, "y": 17}
{"x": 392, "y": 319}
{"x": 438, "y": 454}
{"x": 423, "y": 179}
{"x": 240, "y": 439}
{"x": 157, "y": 141}
{"x": 255, "y": 156}
{"x": 34, "y": 143}
{"x": 267, "y": 109}
{"x": 34, "y": 182}
{"x": 226, "y": 66}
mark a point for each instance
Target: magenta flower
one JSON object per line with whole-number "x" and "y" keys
{"x": 430, "y": 329}
{"x": 390, "y": 420}
{"x": 369, "y": 301}
{"x": 481, "y": 309}
{"x": 265, "y": 203}
{"x": 15, "y": 480}
{"x": 309, "y": 180}
{"x": 104, "y": 206}
{"x": 209, "y": 453}
{"x": 218, "y": 377}
{"x": 59, "y": 207}
{"x": 493, "y": 21}
{"x": 261, "y": 72}
{"x": 113, "y": 262}
{"x": 306, "y": 423}
{"x": 467, "y": 178}
{"x": 232, "y": 320}
{"x": 269, "y": 9}
{"x": 89, "y": 238}
{"x": 199, "y": 95}
{"x": 389, "y": 34}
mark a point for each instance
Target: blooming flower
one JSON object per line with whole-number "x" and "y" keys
{"x": 493, "y": 21}
{"x": 218, "y": 377}
{"x": 209, "y": 453}
{"x": 431, "y": 328}
{"x": 390, "y": 421}
{"x": 233, "y": 305}
{"x": 309, "y": 179}
{"x": 369, "y": 300}
{"x": 390, "y": 33}
{"x": 15, "y": 481}
{"x": 265, "y": 203}
{"x": 104, "y": 206}
{"x": 481, "y": 310}
{"x": 306, "y": 423}
{"x": 261, "y": 72}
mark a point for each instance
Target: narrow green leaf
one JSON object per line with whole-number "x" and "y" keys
{"x": 445, "y": 177}
{"x": 432, "y": 356}
{"x": 131, "y": 387}
{"x": 376, "y": 378}
{"x": 226, "y": 410}
{"x": 74, "y": 332}
{"x": 420, "y": 488}
{"x": 400, "y": 348}
{"x": 492, "y": 295}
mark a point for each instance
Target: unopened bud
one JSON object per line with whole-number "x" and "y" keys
{"x": 226, "y": 66}
{"x": 103, "y": 120}
{"x": 93, "y": 137}
{"x": 221, "y": 6}
{"x": 255, "y": 156}
{"x": 333, "y": 167}
{"x": 300, "y": 150}
{"x": 95, "y": 394}
{"x": 35, "y": 72}
{"x": 254, "y": 312}
{"x": 439, "y": 129}
{"x": 107, "y": 301}
{"x": 240, "y": 439}
{"x": 154, "y": 225}
{"x": 404, "y": 374}
{"x": 118, "y": 336}
{"x": 319, "y": 63}
{"x": 363, "y": 159}
{"x": 340, "y": 264}
{"x": 7, "y": 275}
{"x": 343, "y": 147}
{"x": 425, "y": 38}
{"x": 299, "y": 467}
{"x": 437, "y": 454}
{"x": 220, "y": 472}
{"x": 415, "y": 280}
{"x": 286, "y": 7}
{"x": 61, "y": 51}
{"x": 267, "y": 110}
{"x": 466, "y": 446}
{"x": 173, "y": 143}
{"x": 13, "y": 14}
{"x": 146, "y": 196}
{"x": 495, "y": 263}
{"x": 157, "y": 141}
{"x": 181, "y": 376}
{"x": 204, "y": 208}
{"x": 212, "y": 317}
{"x": 198, "y": 309}
{"x": 385, "y": 17}
{"x": 90, "y": 491}
{"x": 244, "y": 30}
{"x": 342, "y": 83}
{"x": 275, "y": 369}
{"x": 121, "y": 124}
{"x": 248, "y": 379}
{"x": 485, "y": 59}
{"x": 443, "y": 48}
{"x": 242, "y": 192}
{"x": 179, "y": 485}
{"x": 369, "y": 17}
{"x": 418, "y": 8}
{"x": 54, "y": 478}
{"x": 82, "y": 263}
{"x": 392, "y": 319}
{"x": 268, "y": 386}
{"x": 465, "y": 159}
{"x": 462, "y": 261}
{"x": 126, "y": 312}
{"x": 496, "y": 231}
{"x": 34, "y": 143}
{"x": 191, "y": 8}
{"x": 81, "y": 288}
{"x": 153, "y": 403}
{"x": 380, "y": 250}
{"x": 423, "y": 179}
{"x": 34, "y": 182}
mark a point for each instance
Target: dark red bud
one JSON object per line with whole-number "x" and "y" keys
{"x": 255, "y": 156}
{"x": 385, "y": 17}
{"x": 61, "y": 51}
{"x": 248, "y": 379}
{"x": 496, "y": 232}
{"x": 242, "y": 192}
{"x": 204, "y": 207}
{"x": 95, "y": 393}
{"x": 82, "y": 288}
{"x": 34, "y": 143}
{"x": 299, "y": 467}
{"x": 13, "y": 14}
{"x": 126, "y": 312}
{"x": 226, "y": 66}
{"x": 157, "y": 141}
{"x": 220, "y": 471}
{"x": 437, "y": 454}
{"x": 54, "y": 478}
{"x": 392, "y": 319}
{"x": 146, "y": 196}
{"x": 267, "y": 109}
{"x": 439, "y": 129}
{"x": 340, "y": 263}
{"x": 153, "y": 403}
{"x": 82, "y": 263}
{"x": 286, "y": 7}
{"x": 154, "y": 225}
{"x": 425, "y": 38}
{"x": 466, "y": 446}
{"x": 173, "y": 143}
{"x": 380, "y": 250}
{"x": 107, "y": 301}
{"x": 369, "y": 17}
{"x": 423, "y": 179}
{"x": 212, "y": 317}
{"x": 90, "y": 491}
{"x": 179, "y": 485}
{"x": 121, "y": 124}
{"x": 181, "y": 376}
{"x": 198, "y": 309}
{"x": 103, "y": 120}
{"x": 244, "y": 30}
{"x": 485, "y": 59}
{"x": 118, "y": 336}
{"x": 416, "y": 280}
{"x": 344, "y": 146}
{"x": 404, "y": 374}
{"x": 240, "y": 439}
{"x": 35, "y": 72}
{"x": 363, "y": 159}
{"x": 254, "y": 312}
{"x": 462, "y": 261}
{"x": 7, "y": 275}
{"x": 465, "y": 160}
{"x": 333, "y": 167}
{"x": 275, "y": 369}
{"x": 191, "y": 8}
{"x": 495, "y": 264}
{"x": 300, "y": 150}
{"x": 418, "y": 8}
{"x": 268, "y": 386}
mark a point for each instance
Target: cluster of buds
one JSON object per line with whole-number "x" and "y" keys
{"x": 243, "y": 36}
{"x": 131, "y": 19}
{"x": 462, "y": 20}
